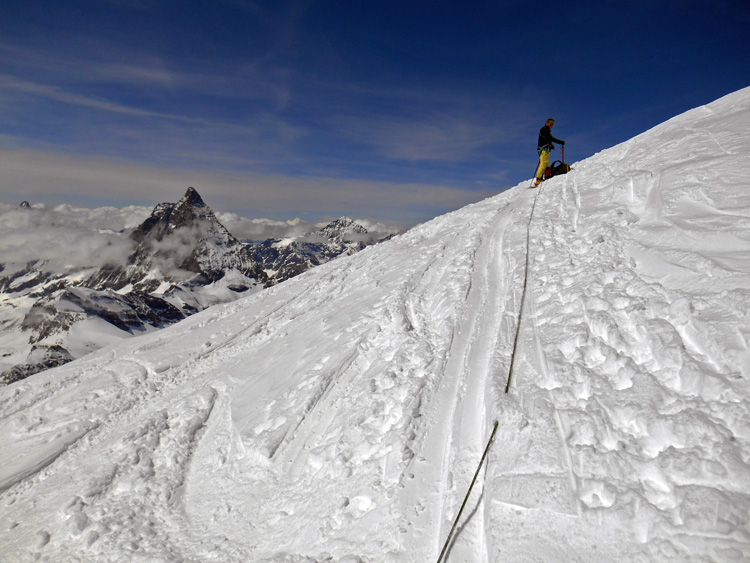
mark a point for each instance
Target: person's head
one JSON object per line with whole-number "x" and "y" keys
{"x": 550, "y": 122}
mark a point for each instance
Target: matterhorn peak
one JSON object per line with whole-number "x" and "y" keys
{"x": 191, "y": 212}
{"x": 192, "y": 198}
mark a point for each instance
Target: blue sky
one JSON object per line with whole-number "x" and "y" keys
{"x": 392, "y": 110}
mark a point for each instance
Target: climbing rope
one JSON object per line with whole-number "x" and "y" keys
{"x": 523, "y": 294}
{"x": 507, "y": 386}
{"x": 466, "y": 498}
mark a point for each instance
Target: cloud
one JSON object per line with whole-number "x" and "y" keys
{"x": 378, "y": 229}
{"x": 66, "y": 238}
{"x": 148, "y": 75}
{"x": 255, "y": 135}
{"x": 60, "y": 95}
{"x": 441, "y": 139}
{"x": 53, "y": 178}
{"x": 208, "y": 135}
{"x": 262, "y": 229}
{"x": 432, "y": 126}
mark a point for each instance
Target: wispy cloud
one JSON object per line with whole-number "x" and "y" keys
{"x": 128, "y": 131}
{"x": 269, "y": 142}
{"x": 60, "y": 95}
{"x": 270, "y": 132}
{"x": 149, "y": 75}
{"x": 443, "y": 138}
{"x": 59, "y": 74}
{"x": 55, "y": 177}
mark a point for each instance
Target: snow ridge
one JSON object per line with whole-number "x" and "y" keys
{"x": 340, "y": 416}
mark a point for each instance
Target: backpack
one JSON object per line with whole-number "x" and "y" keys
{"x": 555, "y": 169}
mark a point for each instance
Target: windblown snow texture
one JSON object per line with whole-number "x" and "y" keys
{"x": 341, "y": 415}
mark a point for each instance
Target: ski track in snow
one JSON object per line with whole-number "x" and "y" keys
{"x": 340, "y": 416}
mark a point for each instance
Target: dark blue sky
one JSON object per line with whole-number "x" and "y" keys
{"x": 391, "y": 110}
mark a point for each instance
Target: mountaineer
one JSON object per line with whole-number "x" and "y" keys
{"x": 544, "y": 147}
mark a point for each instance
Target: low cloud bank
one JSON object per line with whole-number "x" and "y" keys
{"x": 67, "y": 238}
{"x": 262, "y": 229}
{"x": 55, "y": 178}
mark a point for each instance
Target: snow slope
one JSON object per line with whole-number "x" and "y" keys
{"x": 340, "y": 416}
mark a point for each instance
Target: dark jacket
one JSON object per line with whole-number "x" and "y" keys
{"x": 546, "y": 138}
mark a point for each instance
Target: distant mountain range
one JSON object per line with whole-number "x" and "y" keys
{"x": 183, "y": 260}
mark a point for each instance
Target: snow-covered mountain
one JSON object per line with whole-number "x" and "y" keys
{"x": 182, "y": 242}
{"x": 284, "y": 259}
{"x": 602, "y": 322}
{"x": 179, "y": 261}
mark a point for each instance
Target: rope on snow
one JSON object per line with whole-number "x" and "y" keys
{"x": 466, "y": 498}
{"x": 507, "y": 387}
{"x": 523, "y": 295}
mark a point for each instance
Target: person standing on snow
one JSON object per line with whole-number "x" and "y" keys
{"x": 544, "y": 147}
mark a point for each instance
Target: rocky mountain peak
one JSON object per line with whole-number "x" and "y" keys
{"x": 190, "y": 212}
{"x": 179, "y": 243}
{"x": 192, "y": 198}
{"x": 340, "y": 227}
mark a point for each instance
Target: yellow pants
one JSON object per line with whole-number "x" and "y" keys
{"x": 543, "y": 163}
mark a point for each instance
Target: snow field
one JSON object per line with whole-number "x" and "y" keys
{"x": 651, "y": 414}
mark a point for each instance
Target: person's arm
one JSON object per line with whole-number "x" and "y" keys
{"x": 549, "y": 136}
{"x": 545, "y": 134}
